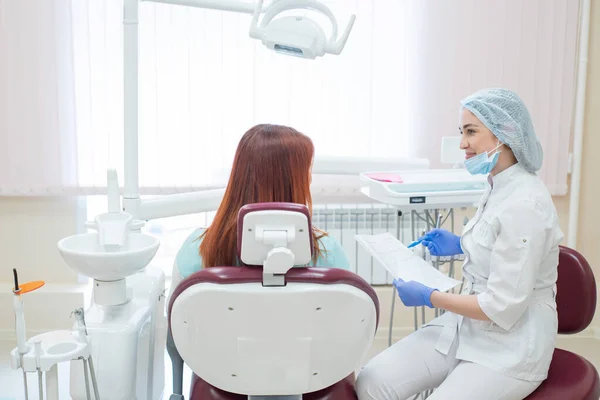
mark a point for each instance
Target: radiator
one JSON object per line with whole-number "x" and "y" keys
{"x": 343, "y": 221}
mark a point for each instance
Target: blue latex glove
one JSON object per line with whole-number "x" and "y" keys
{"x": 441, "y": 242}
{"x": 414, "y": 294}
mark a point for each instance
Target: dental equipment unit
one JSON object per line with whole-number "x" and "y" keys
{"x": 125, "y": 320}
{"x": 43, "y": 352}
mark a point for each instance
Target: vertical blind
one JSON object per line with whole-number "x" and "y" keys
{"x": 393, "y": 92}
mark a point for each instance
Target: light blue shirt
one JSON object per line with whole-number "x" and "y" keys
{"x": 188, "y": 258}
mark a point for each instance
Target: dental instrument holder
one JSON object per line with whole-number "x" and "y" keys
{"x": 113, "y": 230}
{"x": 41, "y": 353}
{"x": 49, "y": 349}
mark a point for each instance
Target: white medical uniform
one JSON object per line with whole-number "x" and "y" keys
{"x": 511, "y": 258}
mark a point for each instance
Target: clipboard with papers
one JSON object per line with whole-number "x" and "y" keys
{"x": 402, "y": 263}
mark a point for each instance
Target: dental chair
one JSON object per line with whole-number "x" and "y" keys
{"x": 571, "y": 376}
{"x": 269, "y": 327}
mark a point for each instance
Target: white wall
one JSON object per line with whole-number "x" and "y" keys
{"x": 29, "y": 231}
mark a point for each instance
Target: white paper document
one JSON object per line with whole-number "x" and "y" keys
{"x": 402, "y": 263}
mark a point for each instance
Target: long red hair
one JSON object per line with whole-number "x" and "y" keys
{"x": 272, "y": 164}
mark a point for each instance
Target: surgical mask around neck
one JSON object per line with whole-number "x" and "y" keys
{"x": 483, "y": 163}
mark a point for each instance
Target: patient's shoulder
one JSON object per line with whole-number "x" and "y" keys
{"x": 188, "y": 257}
{"x": 332, "y": 254}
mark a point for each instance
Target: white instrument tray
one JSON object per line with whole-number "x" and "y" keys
{"x": 432, "y": 180}
{"x": 422, "y": 189}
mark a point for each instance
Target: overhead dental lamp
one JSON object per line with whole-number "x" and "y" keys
{"x": 296, "y": 35}
{"x": 293, "y": 35}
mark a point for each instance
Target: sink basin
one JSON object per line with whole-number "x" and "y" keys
{"x": 84, "y": 254}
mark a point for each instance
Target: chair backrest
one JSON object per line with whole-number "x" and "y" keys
{"x": 576, "y": 292}
{"x": 299, "y": 337}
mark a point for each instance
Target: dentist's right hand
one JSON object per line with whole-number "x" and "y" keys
{"x": 441, "y": 242}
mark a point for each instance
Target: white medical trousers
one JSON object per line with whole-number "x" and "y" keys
{"x": 413, "y": 365}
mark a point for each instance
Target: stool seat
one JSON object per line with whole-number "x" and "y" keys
{"x": 570, "y": 377}
{"x": 343, "y": 390}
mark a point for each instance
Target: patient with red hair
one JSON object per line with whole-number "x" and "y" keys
{"x": 272, "y": 163}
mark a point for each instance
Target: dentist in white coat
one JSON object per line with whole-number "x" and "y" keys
{"x": 497, "y": 337}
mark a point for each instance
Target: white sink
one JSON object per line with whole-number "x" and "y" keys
{"x": 84, "y": 254}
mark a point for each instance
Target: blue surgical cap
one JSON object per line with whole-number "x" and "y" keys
{"x": 505, "y": 114}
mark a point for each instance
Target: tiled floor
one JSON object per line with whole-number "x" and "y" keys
{"x": 11, "y": 382}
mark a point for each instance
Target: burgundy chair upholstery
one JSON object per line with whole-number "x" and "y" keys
{"x": 343, "y": 390}
{"x": 571, "y": 376}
